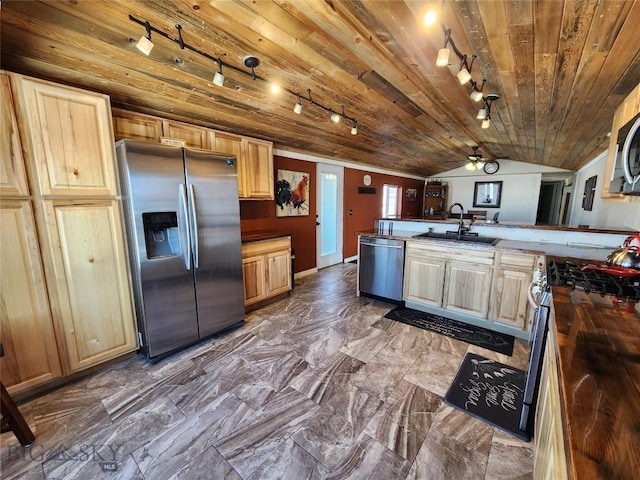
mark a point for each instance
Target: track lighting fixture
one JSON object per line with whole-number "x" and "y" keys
{"x": 251, "y": 62}
{"x": 218, "y": 78}
{"x": 464, "y": 74}
{"x": 145, "y": 45}
{"x": 484, "y": 113}
{"x": 298, "y": 108}
{"x": 476, "y": 93}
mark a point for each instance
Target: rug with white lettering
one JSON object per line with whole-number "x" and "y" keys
{"x": 482, "y": 337}
{"x": 490, "y": 391}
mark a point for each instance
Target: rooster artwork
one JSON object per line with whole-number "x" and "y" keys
{"x": 292, "y": 193}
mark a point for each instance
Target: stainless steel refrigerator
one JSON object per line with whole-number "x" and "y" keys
{"x": 182, "y": 218}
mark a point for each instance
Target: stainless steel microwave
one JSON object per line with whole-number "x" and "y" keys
{"x": 625, "y": 177}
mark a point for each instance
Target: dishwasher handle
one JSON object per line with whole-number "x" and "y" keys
{"x": 381, "y": 245}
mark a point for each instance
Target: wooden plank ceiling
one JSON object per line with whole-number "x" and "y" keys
{"x": 561, "y": 68}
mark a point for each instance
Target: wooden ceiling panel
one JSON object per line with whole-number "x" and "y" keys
{"x": 561, "y": 68}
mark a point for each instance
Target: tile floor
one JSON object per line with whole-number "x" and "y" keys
{"x": 316, "y": 386}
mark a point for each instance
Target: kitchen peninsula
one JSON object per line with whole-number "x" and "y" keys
{"x": 589, "y": 398}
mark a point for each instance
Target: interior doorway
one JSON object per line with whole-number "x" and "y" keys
{"x": 329, "y": 214}
{"x": 549, "y": 203}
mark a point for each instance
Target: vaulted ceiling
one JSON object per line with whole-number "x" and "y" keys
{"x": 561, "y": 68}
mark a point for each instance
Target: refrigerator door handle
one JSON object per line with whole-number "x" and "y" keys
{"x": 187, "y": 250}
{"x": 194, "y": 222}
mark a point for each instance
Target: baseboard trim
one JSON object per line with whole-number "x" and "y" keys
{"x": 350, "y": 259}
{"x": 304, "y": 273}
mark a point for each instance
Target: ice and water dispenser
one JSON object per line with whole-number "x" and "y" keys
{"x": 161, "y": 234}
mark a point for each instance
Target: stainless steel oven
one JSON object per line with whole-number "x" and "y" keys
{"x": 625, "y": 177}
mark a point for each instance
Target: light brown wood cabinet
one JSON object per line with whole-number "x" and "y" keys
{"x": 548, "y": 441}
{"x": 69, "y": 290}
{"x": 13, "y": 178}
{"x": 514, "y": 273}
{"x": 266, "y": 268}
{"x": 254, "y": 156}
{"x": 31, "y": 353}
{"x": 437, "y": 276}
{"x": 467, "y": 285}
{"x": 69, "y": 138}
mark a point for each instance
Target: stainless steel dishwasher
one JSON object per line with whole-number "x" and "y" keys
{"x": 381, "y": 267}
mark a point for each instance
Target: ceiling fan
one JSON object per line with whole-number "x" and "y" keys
{"x": 477, "y": 162}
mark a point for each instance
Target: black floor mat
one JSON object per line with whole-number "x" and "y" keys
{"x": 490, "y": 391}
{"x": 482, "y": 337}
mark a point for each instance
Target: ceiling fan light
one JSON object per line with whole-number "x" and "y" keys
{"x": 486, "y": 122}
{"x": 145, "y": 45}
{"x": 443, "y": 57}
{"x": 470, "y": 166}
{"x": 463, "y": 76}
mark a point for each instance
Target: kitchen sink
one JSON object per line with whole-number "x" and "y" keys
{"x": 459, "y": 238}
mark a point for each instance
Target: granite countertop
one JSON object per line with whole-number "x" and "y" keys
{"x": 599, "y": 367}
{"x": 257, "y": 235}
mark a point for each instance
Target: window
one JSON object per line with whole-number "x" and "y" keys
{"x": 391, "y": 201}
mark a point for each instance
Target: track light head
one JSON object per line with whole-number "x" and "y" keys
{"x": 443, "y": 57}
{"x": 298, "y": 107}
{"x": 463, "y": 74}
{"x": 482, "y": 113}
{"x": 354, "y": 129}
{"x": 335, "y": 118}
{"x": 486, "y": 123}
{"x": 145, "y": 45}
{"x": 218, "y": 78}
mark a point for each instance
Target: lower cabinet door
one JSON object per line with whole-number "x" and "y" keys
{"x": 510, "y": 298}
{"x": 30, "y": 350}
{"x": 279, "y": 272}
{"x": 254, "y": 273}
{"x": 91, "y": 293}
{"x": 424, "y": 280}
{"x": 467, "y": 288}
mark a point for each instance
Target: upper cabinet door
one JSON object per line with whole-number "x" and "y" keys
{"x": 136, "y": 126}
{"x": 192, "y": 135}
{"x": 71, "y": 139}
{"x": 232, "y": 145}
{"x": 13, "y": 180}
{"x": 258, "y": 172}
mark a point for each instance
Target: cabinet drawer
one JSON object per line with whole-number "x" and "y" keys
{"x": 448, "y": 252}
{"x": 266, "y": 246}
{"x": 518, "y": 260}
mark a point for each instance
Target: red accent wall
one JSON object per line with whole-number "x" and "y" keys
{"x": 261, "y": 214}
{"x": 361, "y": 210}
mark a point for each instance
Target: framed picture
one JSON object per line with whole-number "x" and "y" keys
{"x": 411, "y": 194}
{"x": 292, "y": 193}
{"x": 487, "y": 194}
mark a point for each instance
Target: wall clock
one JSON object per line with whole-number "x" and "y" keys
{"x": 491, "y": 167}
{"x": 366, "y": 180}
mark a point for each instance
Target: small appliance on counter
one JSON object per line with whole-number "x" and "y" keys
{"x": 182, "y": 218}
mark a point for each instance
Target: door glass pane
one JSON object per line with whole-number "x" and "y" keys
{"x": 329, "y": 213}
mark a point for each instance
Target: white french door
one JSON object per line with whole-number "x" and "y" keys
{"x": 329, "y": 214}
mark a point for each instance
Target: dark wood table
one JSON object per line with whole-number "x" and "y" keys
{"x": 599, "y": 366}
